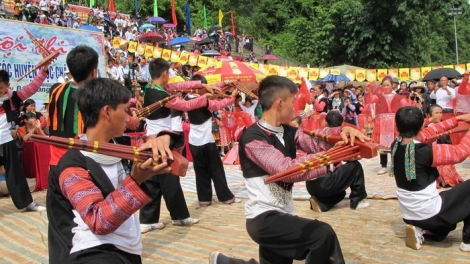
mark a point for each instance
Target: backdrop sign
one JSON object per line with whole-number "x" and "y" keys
{"x": 19, "y": 54}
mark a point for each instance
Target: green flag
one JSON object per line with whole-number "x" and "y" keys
{"x": 205, "y": 17}
{"x": 92, "y": 3}
{"x": 155, "y": 8}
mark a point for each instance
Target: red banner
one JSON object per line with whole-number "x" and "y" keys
{"x": 233, "y": 24}
{"x": 111, "y": 5}
{"x": 173, "y": 13}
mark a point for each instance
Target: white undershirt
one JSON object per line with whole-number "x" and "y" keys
{"x": 5, "y": 134}
{"x": 156, "y": 126}
{"x": 201, "y": 134}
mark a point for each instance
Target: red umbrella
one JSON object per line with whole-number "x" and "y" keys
{"x": 269, "y": 57}
{"x": 151, "y": 37}
{"x": 222, "y": 57}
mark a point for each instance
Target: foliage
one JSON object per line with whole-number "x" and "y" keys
{"x": 367, "y": 33}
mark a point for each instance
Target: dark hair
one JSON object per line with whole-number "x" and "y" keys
{"x": 28, "y": 102}
{"x": 81, "y": 61}
{"x": 387, "y": 78}
{"x": 157, "y": 67}
{"x": 431, "y": 108}
{"x": 432, "y": 81}
{"x": 297, "y": 119}
{"x": 29, "y": 115}
{"x": 334, "y": 119}
{"x": 98, "y": 93}
{"x": 409, "y": 120}
{"x": 4, "y": 77}
{"x": 199, "y": 77}
{"x": 272, "y": 88}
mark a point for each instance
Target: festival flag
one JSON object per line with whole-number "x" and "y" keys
{"x": 273, "y": 69}
{"x": 424, "y": 71}
{"x": 468, "y": 66}
{"x": 360, "y": 75}
{"x": 350, "y": 73}
{"x": 393, "y": 72}
{"x": 132, "y": 46}
{"x": 202, "y": 61}
{"x": 233, "y": 24}
{"x": 292, "y": 73}
{"x": 303, "y": 72}
{"x": 193, "y": 60}
{"x": 335, "y": 71}
{"x": 188, "y": 17}
{"x": 141, "y": 49}
{"x": 404, "y": 74}
{"x": 449, "y": 66}
{"x": 211, "y": 61}
{"x": 264, "y": 68}
{"x": 116, "y": 42}
{"x": 184, "y": 57}
{"x": 313, "y": 74}
{"x": 175, "y": 56}
{"x": 92, "y": 3}
{"x": 148, "y": 51}
{"x": 155, "y": 8}
{"x": 205, "y": 17}
{"x": 221, "y": 15}
{"x": 324, "y": 72}
{"x": 460, "y": 68}
{"x": 157, "y": 53}
{"x": 283, "y": 71}
{"x": 415, "y": 74}
{"x": 166, "y": 54}
{"x": 381, "y": 73}
{"x": 371, "y": 75}
{"x": 173, "y": 13}
{"x": 111, "y": 5}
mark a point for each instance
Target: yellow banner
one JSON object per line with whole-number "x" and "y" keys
{"x": 292, "y": 73}
{"x": 371, "y": 75}
{"x": 132, "y": 46}
{"x": 141, "y": 49}
{"x": 449, "y": 66}
{"x": 303, "y": 72}
{"x": 166, "y": 54}
{"x": 460, "y": 68}
{"x": 283, "y": 71}
{"x": 264, "y": 68}
{"x": 351, "y": 74}
{"x": 273, "y": 70}
{"x": 202, "y": 61}
{"x": 175, "y": 56}
{"x": 381, "y": 73}
{"x": 335, "y": 71}
{"x": 404, "y": 74}
{"x": 192, "y": 60}
{"x": 148, "y": 51}
{"x": 211, "y": 61}
{"x": 324, "y": 72}
{"x": 415, "y": 74}
{"x": 116, "y": 42}
{"x": 393, "y": 72}
{"x": 424, "y": 71}
{"x": 157, "y": 53}
{"x": 184, "y": 57}
{"x": 360, "y": 75}
{"x": 313, "y": 74}
{"x": 254, "y": 65}
{"x": 468, "y": 66}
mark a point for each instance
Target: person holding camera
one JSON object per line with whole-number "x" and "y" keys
{"x": 417, "y": 94}
{"x": 444, "y": 95}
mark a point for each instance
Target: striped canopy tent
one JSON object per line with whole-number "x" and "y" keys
{"x": 232, "y": 71}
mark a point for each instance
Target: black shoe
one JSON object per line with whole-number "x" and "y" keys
{"x": 218, "y": 258}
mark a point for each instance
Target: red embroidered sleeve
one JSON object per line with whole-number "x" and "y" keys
{"x": 219, "y": 104}
{"x": 273, "y": 161}
{"x": 183, "y": 86}
{"x": 464, "y": 89}
{"x": 183, "y": 105}
{"x": 437, "y": 128}
{"x": 103, "y": 216}
{"x": 445, "y": 154}
{"x": 32, "y": 88}
{"x": 319, "y": 106}
{"x": 311, "y": 144}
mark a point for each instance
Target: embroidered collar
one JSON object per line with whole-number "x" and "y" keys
{"x": 270, "y": 129}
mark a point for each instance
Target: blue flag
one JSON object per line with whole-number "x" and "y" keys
{"x": 136, "y": 5}
{"x": 188, "y": 18}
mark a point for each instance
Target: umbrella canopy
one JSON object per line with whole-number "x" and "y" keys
{"x": 196, "y": 38}
{"x": 269, "y": 57}
{"x": 436, "y": 74}
{"x": 205, "y": 41}
{"x": 222, "y": 57}
{"x": 156, "y": 20}
{"x": 151, "y": 37}
{"x": 180, "y": 40}
{"x": 169, "y": 26}
{"x": 91, "y": 28}
{"x": 211, "y": 53}
{"x": 215, "y": 28}
{"x": 228, "y": 33}
{"x": 335, "y": 78}
{"x": 212, "y": 34}
{"x": 231, "y": 70}
{"x": 175, "y": 79}
{"x": 146, "y": 26}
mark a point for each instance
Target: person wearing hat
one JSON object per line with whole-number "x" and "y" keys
{"x": 417, "y": 95}
{"x": 335, "y": 101}
{"x": 395, "y": 83}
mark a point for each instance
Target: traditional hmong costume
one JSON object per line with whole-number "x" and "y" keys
{"x": 414, "y": 168}
{"x": 282, "y": 237}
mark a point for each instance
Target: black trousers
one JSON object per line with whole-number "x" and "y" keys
{"x": 455, "y": 208}
{"x": 168, "y": 186}
{"x": 208, "y": 166}
{"x": 383, "y": 159}
{"x": 16, "y": 181}
{"x": 329, "y": 190}
{"x": 104, "y": 254}
{"x": 284, "y": 237}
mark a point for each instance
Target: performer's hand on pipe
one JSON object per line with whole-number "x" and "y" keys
{"x": 160, "y": 147}
{"x": 142, "y": 171}
{"x": 350, "y": 134}
{"x": 464, "y": 118}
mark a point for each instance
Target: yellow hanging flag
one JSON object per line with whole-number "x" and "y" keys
{"x": 371, "y": 75}
{"x": 460, "y": 68}
{"x": 351, "y": 74}
{"x": 303, "y": 72}
{"x": 292, "y": 73}
{"x": 324, "y": 72}
{"x": 132, "y": 46}
{"x": 393, "y": 72}
{"x": 184, "y": 57}
{"x": 283, "y": 71}
{"x": 415, "y": 74}
{"x": 166, "y": 54}
{"x": 221, "y": 15}
{"x": 148, "y": 51}
{"x": 335, "y": 71}
{"x": 404, "y": 74}
{"x": 381, "y": 73}
{"x": 193, "y": 59}
{"x": 141, "y": 49}
{"x": 202, "y": 61}
{"x": 273, "y": 70}
{"x": 313, "y": 74}
{"x": 424, "y": 71}
{"x": 254, "y": 65}
{"x": 175, "y": 56}
{"x": 116, "y": 42}
{"x": 449, "y": 66}
{"x": 360, "y": 75}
